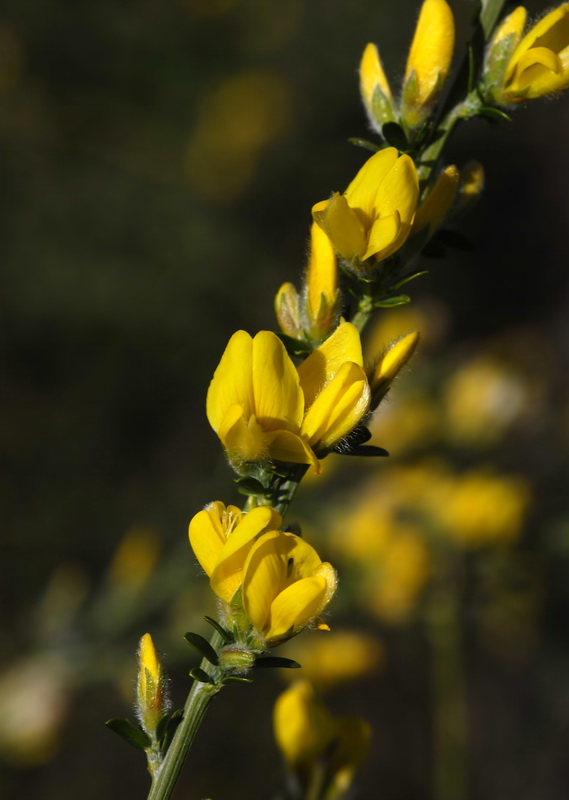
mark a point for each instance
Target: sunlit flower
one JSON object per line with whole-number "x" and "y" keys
{"x": 428, "y": 61}
{"x": 373, "y": 218}
{"x": 539, "y": 64}
{"x": 221, "y": 538}
{"x": 262, "y": 407}
{"x": 390, "y": 364}
{"x": 285, "y": 585}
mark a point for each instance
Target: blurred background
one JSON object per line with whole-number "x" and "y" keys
{"x": 158, "y": 163}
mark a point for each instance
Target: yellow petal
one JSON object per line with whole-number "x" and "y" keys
{"x": 338, "y": 408}
{"x": 323, "y": 363}
{"x": 362, "y": 192}
{"x": 439, "y": 200}
{"x": 264, "y": 577}
{"x": 243, "y": 438}
{"x": 291, "y": 449}
{"x": 383, "y": 236}
{"x": 432, "y": 47}
{"x": 207, "y": 535}
{"x": 232, "y": 382}
{"x": 279, "y": 402}
{"x": 226, "y": 576}
{"x": 399, "y": 190}
{"x": 322, "y": 272}
{"x": 551, "y": 32}
{"x": 372, "y": 75}
{"x": 296, "y": 606}
{"x": 342, "y": 225}
{"x": 512, "y": 25}
{"x": 303, "y": 727}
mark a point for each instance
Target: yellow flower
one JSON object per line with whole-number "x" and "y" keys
{"x": 470, "y": 185}
{"x": 303, "y": 726}
{"x": 437, "y": 203}
{"x": 151, "y": 700}
{"x": 390, "y": 364}
{"x": 540, "y": 62}
{"x": 285, "y": 585}
{"x": 262, "y": 407}
{"x": 373, "y": 217}
{"x": 429, "y": 60}
{"x": 314, "y": 315}
{"x": 317, "y": 745}
{"x": 221, "y": 538}
{"x": 374, "y": 88}
{"x": 360, "y": 655}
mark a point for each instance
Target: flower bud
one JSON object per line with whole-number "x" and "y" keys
{"x": 389, "y": 365}
{"x": 428, "y": 62}
{"x": 374, "y": 87}
{"x": 436, "y": 205}
{"x": 151, "y": 701}
{"x": 287, "y": 309}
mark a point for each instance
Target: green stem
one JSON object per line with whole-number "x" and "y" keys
{"x": 363, "y": 312}
{"x": 450, "y": 729}
{"x": 199, "y": 698}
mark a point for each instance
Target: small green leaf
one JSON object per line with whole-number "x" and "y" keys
{"x": 408, "y": 279}
{"x": 276, "y": 662}
{"x": 250, "y": 486}
{"x": 127, "y": 731}
{"x": 203, "y": 647}
{"x": 494, "y": 114}
{"x": 200, "y": 675}
{"x": 169, "y": 729}
{"x": 391, "y": 302}
{"x": 394, "y": 135}
{"x": 225, "y": 635}
{"x": 235, "y": 679}
{"x": 367, "y": 450}
{"x": 364, "y": 143}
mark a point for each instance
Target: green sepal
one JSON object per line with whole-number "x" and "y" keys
{"x": 392, "y": 302}
{"x": 364, "y": 143}
{"x": 395, "y": 136}
{"x": 381, "y": 107}
{"x": 494, "y": 114}
{"x": 127, "y": 731}
{"x": 225, "y": 635}
{"x": 200, "y": 675}
{"x": 235, "y": 679}
{"x": 202, "y": 646}
{"x": 276, "y": 662}
{"x": 407, "y": 279}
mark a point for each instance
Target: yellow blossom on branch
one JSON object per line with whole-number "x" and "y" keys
{"x": 375, "y": 90}
{"x": 373, "y": 218}
{"x": 262, "y": 407}
{"x": 221, "y": 538}
{"x": 285, "y": 586}
{"x": 539, "y": 65}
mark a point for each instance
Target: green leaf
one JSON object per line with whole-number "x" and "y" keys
{"x": 367, "y": 450}
{"x": 203, "y": 647}
{"x": 364, "y": 143}
{"x": 494, "y": 114}
{"x": 407, "y": 279}
{"x": 165, "y": 733}
{"x": 127, "y": 731}
{"x": 235, "y": 679}
{"x": 198, "y": 674}
{"x": 225, "y": 635}
{"x": 391, "y": 302}
{"x": 276, "y": 662}
{"x": 394, "y": 135}
{"x": 250, "y": 486}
